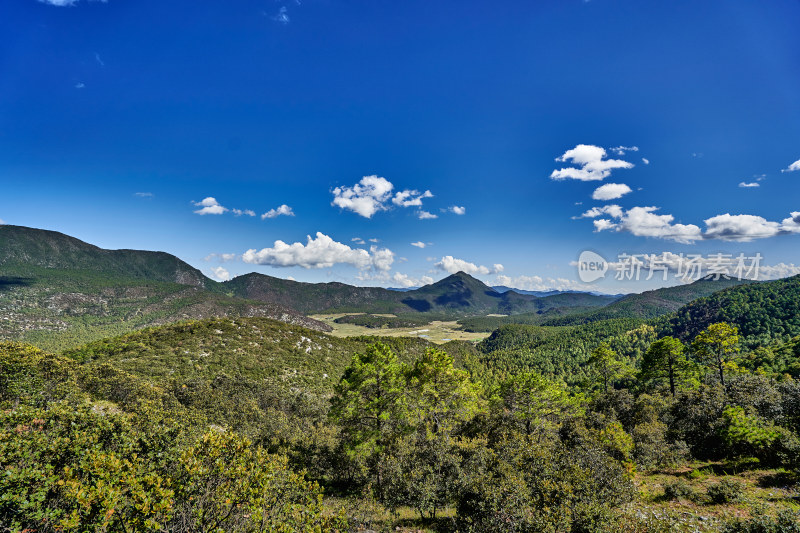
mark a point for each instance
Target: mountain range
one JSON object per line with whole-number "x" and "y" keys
{"x": 58, "y": 291}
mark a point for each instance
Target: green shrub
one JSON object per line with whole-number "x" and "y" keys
{"x": 726, "y": 491}
{"x": 785, "y": 522}
{"x": 679, "y": 490}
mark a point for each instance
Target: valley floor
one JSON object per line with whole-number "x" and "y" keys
{"x": 436, "y": 331}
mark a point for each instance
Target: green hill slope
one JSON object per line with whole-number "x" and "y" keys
{"x": 649, "y": 304}
{"x": 764, "y": 312}
{"x": 58, "y": 292}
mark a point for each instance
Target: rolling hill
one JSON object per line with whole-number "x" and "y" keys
{"x": 57, "y": 291}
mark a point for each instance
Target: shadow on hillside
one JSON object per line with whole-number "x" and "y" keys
{"x": 9, "y": 282}
{"x": 418, "y": 305}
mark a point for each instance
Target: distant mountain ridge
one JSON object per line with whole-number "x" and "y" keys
{"x": 457, "y": 294}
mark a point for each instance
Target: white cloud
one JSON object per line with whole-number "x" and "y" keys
{"x": 406, "y": 281}
{"x": 284, "y": 210}
{"x": 358, "y": 240}
{"x": 374, "y": 240}
{"x": 645, "y": 161}
{"x": 320, "y": 252}
{"x": 741, "y": 228}
{"x": 366, "y": 198}
{"x": 592, "y": 163}
{"x": 745, "y": 185}
{"x": 220, "y": 257}
{"x": 418, "y": 244}
{"x": 240, "y": 212}
{"x": 610, "y": 191}
{"x": 611, "y": 210}
{"x": 210, "y": 206}
{"x": 409, "y": 198}
{"x": 143, "y": 194}
{"x": 793, "y": 167}
{"x": 424, "y": 215}
{"x": 538, "y": 283}
{"x": 452, "y": 265}
{"x": 80, "y": 85}
{"x": 457, "y": 209}
{"x": 221, "y": 273}
{"x": 643, "y": 222}
{"x": 620, "y": 150}
{"x": 59, "y": 3}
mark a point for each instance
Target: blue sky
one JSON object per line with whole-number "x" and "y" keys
{"x": 453, "y": 110}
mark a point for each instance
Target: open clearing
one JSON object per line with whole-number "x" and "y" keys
{"x": 436, "y": 331}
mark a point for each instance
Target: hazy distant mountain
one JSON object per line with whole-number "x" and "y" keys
{"x": 651, "y": 304}
{"x": 552, "y": 292}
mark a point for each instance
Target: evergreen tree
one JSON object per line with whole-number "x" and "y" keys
{"x": 714, "y": 345}
{"x": 664, "y": 359}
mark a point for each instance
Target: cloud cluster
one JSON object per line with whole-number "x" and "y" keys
{"x": 451, "y": 265}
{"x": 374, "y": 193}
{"x": 409, "y": 198}
{"x": 320, "y": 252}
{"x": 590, "y": 163}
{"x": 240, "y": 212}
{"x": 457, "y": 210}
{"x": 281, "y": 210}
{"x": 210, "y": 206}
{"x": 645, "y": 222}
{"x": 366, "y": 197}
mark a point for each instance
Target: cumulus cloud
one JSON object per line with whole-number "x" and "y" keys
{"x": 457, "y": 209}
{"x": 424, "y": 215}
{"x": 793, "y": 167}
{"x": 452, "y": 265}
{"x": 320, "y": 252}
{"x": 365, "y": 198}
{"x": 284, "y": 210}
{"x": 591, "y": 164}
{"x": 746, "y": 185}
{"x": 210, "y": 206}
{"x": 419, "y": 244}
{"x": 410, "y": 198}
{"x": 240, "y": 212}
{"x": 610, "y": 191}
{"x": 743, "y": 228}
{"x": 221, "y": 273}
{"x": 644, "y": 222}
{"x": 406, "y": 281}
